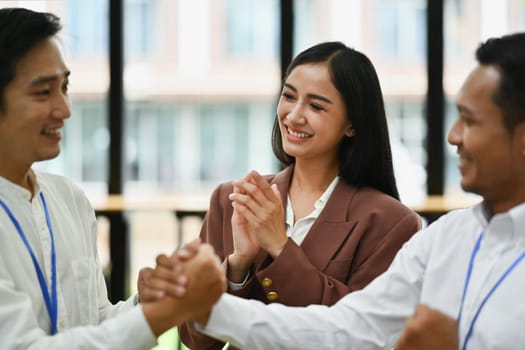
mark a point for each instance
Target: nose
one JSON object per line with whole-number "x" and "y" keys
{"x": 61, "y": 107}
{"x": 296, "y": 115}
{"x": 454, "y": 134}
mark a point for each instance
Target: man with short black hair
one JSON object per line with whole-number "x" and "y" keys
{"x": 52, "y": 291}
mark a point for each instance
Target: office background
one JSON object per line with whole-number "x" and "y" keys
{"x": 201, "y": 77}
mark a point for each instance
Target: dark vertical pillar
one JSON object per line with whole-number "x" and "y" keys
{"x": 435, "y": 99}
{"x": 287, "y": 29}
{"x": 118, "y": 226}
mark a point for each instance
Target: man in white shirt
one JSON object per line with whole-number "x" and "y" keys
{"x": 52, "y": 291}
{"x": 464, "y": 274}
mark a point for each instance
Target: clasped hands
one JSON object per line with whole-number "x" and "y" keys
{"x": 257, "y": 223}
{"x": 182, "y": 287}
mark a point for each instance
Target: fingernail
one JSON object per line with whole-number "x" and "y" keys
{"x": 183, "y": 252}
{"x": 180, "y": 291}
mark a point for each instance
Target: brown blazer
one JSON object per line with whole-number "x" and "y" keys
{"x": 353, "y": 240}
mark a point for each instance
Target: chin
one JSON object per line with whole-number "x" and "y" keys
{"x": 470, "y": 187}
{"x": 49, "y": 155}
{"x": 288, "y": 150}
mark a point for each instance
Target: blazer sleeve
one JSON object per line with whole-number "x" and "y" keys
{"x": 367, "y": 252}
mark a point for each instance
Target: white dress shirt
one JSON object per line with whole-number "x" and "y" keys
{"x": 431, "y": 268}
{"x": 86, "y": 318}
{"x": 297, "y": 230}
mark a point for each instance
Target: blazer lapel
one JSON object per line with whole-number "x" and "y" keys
{"x": 331, "y": 228}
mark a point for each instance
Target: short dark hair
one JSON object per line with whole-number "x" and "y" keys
{"x": 507, "y": 53}
{"x": 366, "y": 158}
{"x": 20, "y": 30}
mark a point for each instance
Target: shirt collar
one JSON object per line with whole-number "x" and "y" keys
{"x": 321, "y": 202}
{"x": 19, "y": 191}
{"x": 509, "y": 224}
{"x": 318, "y": 205}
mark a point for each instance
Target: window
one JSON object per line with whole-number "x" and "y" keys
{"x": 140, "y": 31}
{"x": 402, "y": 29}
{"x": 86, "y": 26}
{"x": 252, "y": 28}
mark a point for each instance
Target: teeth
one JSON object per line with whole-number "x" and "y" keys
{"x": 51, "y": 131}
{"x": 300, "y": 135}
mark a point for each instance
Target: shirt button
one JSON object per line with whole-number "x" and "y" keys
{"x": 272, "y": 296}
{"x": 266, "y": 282}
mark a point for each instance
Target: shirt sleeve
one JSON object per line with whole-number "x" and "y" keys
{"x": 372, "y": 318}
{"x": 19, "y": 327}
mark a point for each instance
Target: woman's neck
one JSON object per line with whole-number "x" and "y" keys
{"x": 313, "y": 177}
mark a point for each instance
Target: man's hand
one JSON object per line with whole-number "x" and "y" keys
{"x": 206, "y": 282}
{"x": 429, "y": 329}
{"x": 168, "y": 277}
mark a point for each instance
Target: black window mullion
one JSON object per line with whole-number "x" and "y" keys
{"x": 435, "y": 103}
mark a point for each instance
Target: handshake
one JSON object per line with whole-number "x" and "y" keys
{"x": 182, "y": 287}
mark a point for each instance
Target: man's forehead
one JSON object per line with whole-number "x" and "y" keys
{"x": 42, "y": 63}
{"x": 482, "y": 80}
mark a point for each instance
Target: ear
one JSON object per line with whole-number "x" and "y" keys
{"x": 350, "y": 132}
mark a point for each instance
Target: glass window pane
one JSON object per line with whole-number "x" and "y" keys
{"x": 139, "y": 36}
{"x": 87, "y": 27}
{"x": 252, "y": 28}
{"x": 197, "y": 111}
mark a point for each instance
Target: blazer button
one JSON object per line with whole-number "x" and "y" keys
{"x": 266, "y": 282}
{"x": 272, "y": 296}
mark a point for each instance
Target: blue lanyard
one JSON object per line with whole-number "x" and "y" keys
{"x": 51, "y": 301}
{"x": 489, "y": 294}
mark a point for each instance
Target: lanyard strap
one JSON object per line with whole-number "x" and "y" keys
{"x": 489, "y": 294}
{"x": 50, "y": 300}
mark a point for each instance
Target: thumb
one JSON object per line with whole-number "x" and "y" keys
{"x": 275, "y": 190}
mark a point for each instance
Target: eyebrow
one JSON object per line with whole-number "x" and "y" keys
{"x": 314, "y": 96}
{"x": 45, "y": 79}
{"x": 463, "y": 109}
